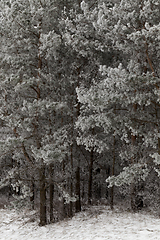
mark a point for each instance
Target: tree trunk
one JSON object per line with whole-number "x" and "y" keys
{"x": 132, "y": 187}
{"x": 90, "y": 178}
{"x": 113, "y": 167}
{"x": 66, "y": 206}
{"x": 78, "y": 192}
{"x": 51, "y": 193}
{"x": 71, "y": 185}
{"x": 43, "y": 218}
{"x": 51, "y": 196}
{"x": 32, "y": 197}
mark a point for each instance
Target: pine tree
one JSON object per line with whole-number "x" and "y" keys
{"x": 30, "y": 99}
{"x": 126, "y": 103}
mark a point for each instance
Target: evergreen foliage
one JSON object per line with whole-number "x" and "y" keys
{"x": 79, "y": 103}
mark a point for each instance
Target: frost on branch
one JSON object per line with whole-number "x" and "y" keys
{"x": 156, "y": 160}
{"x": 129, "y": 175}
{"x": 84, "y": 7}
{"x": 65, "y": 195}
{"x": 49, "y": 44}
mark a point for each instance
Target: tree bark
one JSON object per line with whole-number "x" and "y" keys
{"x": 132, "y": 187}
{"x": 78, "y": 180}
{"x": 90, "y": 178}
{"x": 51, "y": 193}
{"x": 32, "y": 197}
{"x": 78, "y": 190}
{"x": 43, "y": 217}
{"x": 113, "y": 168}
{"x": 71, "y": 186}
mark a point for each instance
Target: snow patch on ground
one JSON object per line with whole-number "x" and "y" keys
{"x": 96, "y": 223}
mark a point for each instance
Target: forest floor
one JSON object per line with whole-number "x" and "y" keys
{"x": 95, "y": 223}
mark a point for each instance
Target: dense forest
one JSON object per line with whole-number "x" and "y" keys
{"x": 79, "y": 105}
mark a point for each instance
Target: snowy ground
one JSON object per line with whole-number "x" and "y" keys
{"x": 97, "y": 223}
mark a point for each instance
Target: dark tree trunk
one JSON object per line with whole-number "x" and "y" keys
{"x": 132, "y": 187}
{"x": 112, "y": 197}
{"x": 51, "y": 196}
{"x": 32, "y": 197}
{"x": 71, "y": 203}
{"x": 83, "y": 187}
{"x": 71, "y": 186}
{"x": 113, "y": 168}
{"x": 66, "y": 207}
{"x": 78, "y": 192}
{"x": 43, "y": 218}
{"x": 90, "y": 178}
{"x": 51, "y": 193}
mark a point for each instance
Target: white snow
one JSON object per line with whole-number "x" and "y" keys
{"x": 96, "y": 223}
